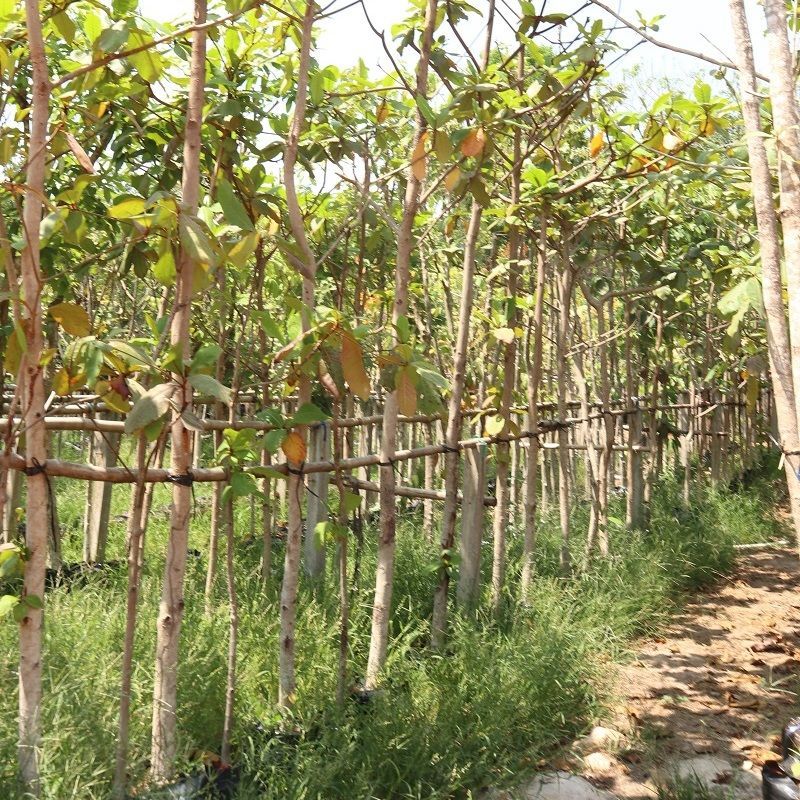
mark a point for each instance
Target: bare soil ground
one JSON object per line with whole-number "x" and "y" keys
{"x": 721, "y": 681}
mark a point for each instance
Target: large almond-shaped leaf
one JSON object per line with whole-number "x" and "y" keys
{"x": 71, "y": 317}
{"x": 353, "y": 367}
{"x": 205, "y": 384}
{"x": 152, "y": 405}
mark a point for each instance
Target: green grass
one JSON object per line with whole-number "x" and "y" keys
{"x": 503, "y": 695}
{"x": 695, "y": 789}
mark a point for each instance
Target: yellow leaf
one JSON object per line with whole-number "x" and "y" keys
{"x": 353, "y": 367}
{"x": 382, "y": 113}
{"x": 125, "y": 209}
{"x": 15, "y": 348}
{"x": 406, "y": 392}
{"x": 419, "y": 159}
{"x": 753, "y": 392}
{"x": 80, "y": 154}
{"x": 494, "y": 425}
{"x": 505, "y": 335}
{"x": 61, "y": 383}
{"x": 294, "y": 448}
{"x": 451, "y": 178}
{"x": 596, "y": 144}
{"x": 116, "y": 402}
{"x": 72, "y": 318}
{"x": 708, "y": 127}
{"x": 474, "y": 143}
{"x": 672, "y": 142}
{"x": 442, "y": 146}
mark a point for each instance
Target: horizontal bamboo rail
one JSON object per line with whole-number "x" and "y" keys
{"x": 409, "y": 491}
{"x": 56, "y": 422}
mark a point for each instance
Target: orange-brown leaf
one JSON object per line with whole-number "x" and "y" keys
{"x": 474, "y": 143}
{"x": 80, "y": 154}
{"x": 382, "y": 113}
{"x": 353, "y": 367}
{"x": 294, "y": 448}
{"x": 419, "y": 160}
{"x": 451, "y": 178}
{"x": 406, "y": 392}
{"x": 328, "y": 383}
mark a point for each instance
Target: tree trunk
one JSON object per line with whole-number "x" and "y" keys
{"x": 37, "y": 518}
{"x": 780, "y": 354}
{"x": 384, "y": 573}
{"x": 565, "y": 282}
{"x": 534, "y": 379}
{"x": 454, "y": 426}
{"x": 786, "y": 119}
{"x": 307, "y": 267}
{"x": 135, "y": 538}
{"x": 170, "y": 614}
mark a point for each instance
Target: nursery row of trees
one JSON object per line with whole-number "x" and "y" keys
{"x": 491, "y": 277}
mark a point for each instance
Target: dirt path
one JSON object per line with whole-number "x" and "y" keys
{"x": 721, "y": 681}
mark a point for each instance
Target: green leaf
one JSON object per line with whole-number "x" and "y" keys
{"x": 111, "y": 40}
{"x": 195, "y": 242}
{"x": 273, "y": 440}
{"x": 152, "y": 405}
{"x": 206, "y": 356}
{"x": 232, "y": 208}
{"x": 243, "y": 249}
{"x": 7, "y": 603}
{"x": 33, "y": 601}
{"x": 403, "y": 329}
{"x": 65, "y": 26}
{"x": 243, "y": 484}
{"x": 127, "y": 208}
{"x": 426, "y": 110}
{"x": 350, "y": 501}
{"x": 207, "y": 385}
{"x": 266, "y": 472}
{"x": 148, "y": 63}
{"x": 308, "y": 414}
{"x": 192, "y": 421}
{"x": 164, "y": 270}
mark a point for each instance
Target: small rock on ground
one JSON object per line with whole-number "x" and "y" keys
{"x": 717, "y": 773}
{"x": 556, "y": 786}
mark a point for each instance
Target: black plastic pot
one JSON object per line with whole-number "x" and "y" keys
{"x": 776, "y": 784}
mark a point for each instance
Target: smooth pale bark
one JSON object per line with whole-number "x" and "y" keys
{"x": 608, "y": 426}
{"x": 780, "y": 354}
{"x": 454, "y": 425}
{"x": 565, "y": 283}
{"x": 306, "y": 267}
{"x": 216, "y": 489}
{"x": 317, "y": 505}
{"x": 472, "y": 519}
{"x": 98, "y": 507}
{"x": 37, "y": 518}
{"x": 171, "y": 607}
{"x": 384, "y": 572}
{"x": 534, "y": 381}
{"x": 503, "y": 450}
{"x": 341, "y": 559}
{"x": 785, "y": 122}
{"x": 634, "y": 505}
{"x": 135, "y": 539}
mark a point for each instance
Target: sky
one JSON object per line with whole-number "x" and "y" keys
{"x": 701, "y": 25}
